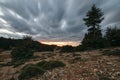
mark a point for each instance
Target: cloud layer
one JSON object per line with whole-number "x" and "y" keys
{"x": 52, "y": 20}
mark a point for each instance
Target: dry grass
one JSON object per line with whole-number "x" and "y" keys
{"x": 89, "y": 65}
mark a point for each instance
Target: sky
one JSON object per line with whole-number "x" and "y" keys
{"x": 53, "y": 21}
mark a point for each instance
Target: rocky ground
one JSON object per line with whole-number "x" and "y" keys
{"x": 88, "y": 65}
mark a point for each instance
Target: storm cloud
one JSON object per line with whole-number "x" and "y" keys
{"x": 52, "y": 20}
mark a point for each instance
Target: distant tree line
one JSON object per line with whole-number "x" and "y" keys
{"x": 10, "y": 43}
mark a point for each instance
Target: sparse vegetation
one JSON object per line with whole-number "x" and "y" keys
{"x": 79, "y": 66}
{"x": 33, "y": 70}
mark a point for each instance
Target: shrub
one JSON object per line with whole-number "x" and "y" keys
{"x": 50, "y": 64}
{"x": 29, "y": 71}
{"x": 21, "y": 53}
{"x": 115, "y": 52}
{"x": 34, "y": 70}
{"x": 67, "y": 49}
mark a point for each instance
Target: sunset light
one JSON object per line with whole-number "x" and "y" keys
{"x": 62, "y": 43}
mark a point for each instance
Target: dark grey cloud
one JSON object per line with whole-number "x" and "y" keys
{"x": 52, "y": 20}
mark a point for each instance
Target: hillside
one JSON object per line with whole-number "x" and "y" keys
{"x": 88, "y": 65}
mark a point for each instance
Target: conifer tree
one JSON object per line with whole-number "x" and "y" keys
{"x": 93, "y": 19}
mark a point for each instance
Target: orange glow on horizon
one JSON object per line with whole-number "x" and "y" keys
{"x": 62, "y": 43}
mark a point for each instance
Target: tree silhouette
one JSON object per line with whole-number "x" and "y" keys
{"x": 94, "y": 36}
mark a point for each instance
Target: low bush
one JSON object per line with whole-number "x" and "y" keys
{"x": 67, "y": 49}
{"x": 34, "y": 70}
{"x": 29, "y": 71}
{"x": 21, "y": 53}
{"x": 49, "y": 65}
{"x": 115, "y": 52}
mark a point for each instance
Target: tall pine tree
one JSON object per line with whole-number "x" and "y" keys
{"x": 93, "y": 39}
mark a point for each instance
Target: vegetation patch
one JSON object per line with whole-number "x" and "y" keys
{"x": 115, "y": 52}
{"x": 34, "y": 70}
{"x": 22, "y": 52}
{"x": 49, "y": 65}
{"x": 29, "y": 71}
{"x": 103, "y": 76}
